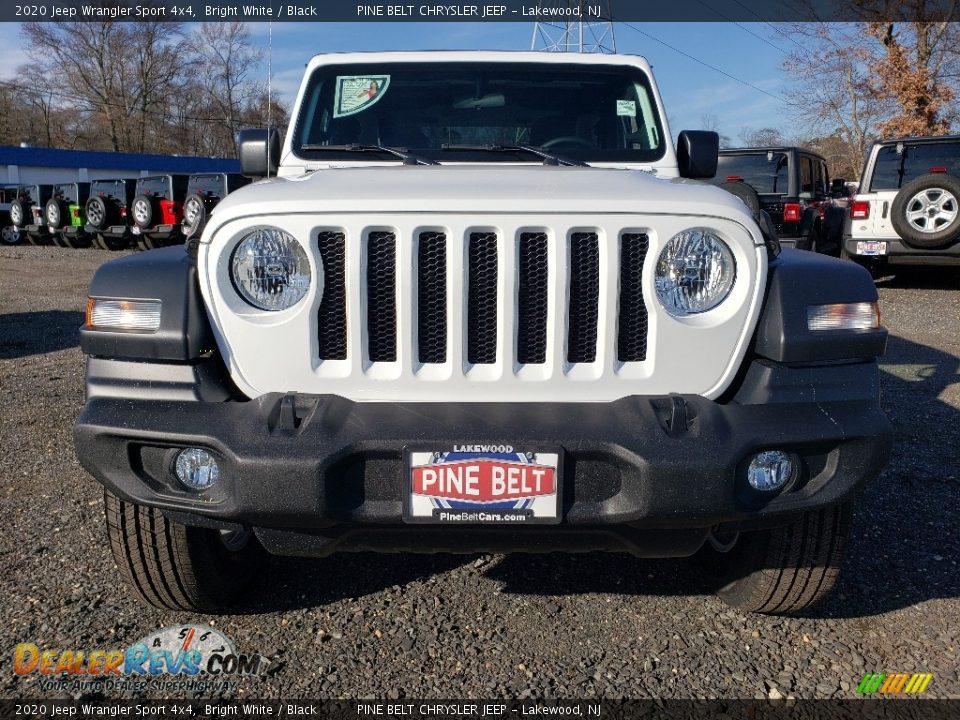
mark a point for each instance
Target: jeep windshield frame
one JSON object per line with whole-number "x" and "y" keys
{"x": 590, "y": 113}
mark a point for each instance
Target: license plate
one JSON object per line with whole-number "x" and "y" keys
{"x": 871, "y": 247}
{"x": 482, "y": 485}
{"x": 135, "y": 229}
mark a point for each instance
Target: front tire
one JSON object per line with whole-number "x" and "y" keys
{"x": 179, "y": 567}
{"x": 784, "y": 570}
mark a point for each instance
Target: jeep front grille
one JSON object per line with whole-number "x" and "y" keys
{"x": 584, "y": 297}
{"x": 332, "y": 316}
{"x": 532, "y": 298}
{"x": 432, "y": 297}
{"x": 632, "y": 318}
{"x": 535, "y": 279}
{"x": 382, "y": 297}
{"x": 483, "y": 259}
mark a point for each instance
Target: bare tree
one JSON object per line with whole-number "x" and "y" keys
{"x": 709, "y": 121}
{"x": 224, "y": 61}
{"x": 762, "y": 137}
{"x": 143, "y": 87}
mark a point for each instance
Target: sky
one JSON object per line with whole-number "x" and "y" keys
{"x": 728, "y": 70}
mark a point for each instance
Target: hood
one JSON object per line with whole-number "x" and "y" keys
{"x": 480, "y": 189}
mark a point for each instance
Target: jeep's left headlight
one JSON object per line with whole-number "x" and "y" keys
{"x": 270, "y": 269}
{"x": 695, "y": 272}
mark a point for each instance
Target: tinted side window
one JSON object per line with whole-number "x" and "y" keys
{"x": 892, "y": 170}
{"x": 806, "y": 177}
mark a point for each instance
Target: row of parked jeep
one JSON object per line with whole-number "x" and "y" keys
{"x": 114, "y": 214}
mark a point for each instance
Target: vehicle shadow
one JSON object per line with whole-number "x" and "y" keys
{"x": 35, "y": 333}
{"x": 903, "y": 547}
{"x": 920, "y": 278}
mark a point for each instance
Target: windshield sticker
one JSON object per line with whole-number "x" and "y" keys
{"x": 356, "y": 93}
{"x": 627, "y": 108}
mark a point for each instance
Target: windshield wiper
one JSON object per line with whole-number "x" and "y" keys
{"x": 549, "y": 158}
{"x": 407, "y": 157}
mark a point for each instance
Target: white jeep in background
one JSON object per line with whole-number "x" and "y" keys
{"x": 907, "y": 208}
{"x": 481, "y": 304}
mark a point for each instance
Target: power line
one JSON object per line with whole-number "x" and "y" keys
{"x": 707, "y": 65}
{"x": 771, "y": 25}
{"x": 742, "y": 27}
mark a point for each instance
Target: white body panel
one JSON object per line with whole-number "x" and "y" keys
{"x": 277, "y": 352}
{"x": 291, "y": 165}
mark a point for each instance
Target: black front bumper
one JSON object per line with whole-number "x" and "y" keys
{"x": 648, "y": 475}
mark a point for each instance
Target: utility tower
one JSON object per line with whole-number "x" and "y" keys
{"x": 584, "y": 26}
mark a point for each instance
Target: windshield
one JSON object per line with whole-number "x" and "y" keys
{"x": 206, "y": 185}
{"x": 68, "y": 193}
{"x": 764, "y": 172}
{"x": 892, "y": 169}
{"x": 582, "y": 111}
{"x": 159, "y": 186}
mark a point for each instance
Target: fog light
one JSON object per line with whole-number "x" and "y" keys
{"x": 769, "y": 470}
{"x": 197, "y": 468}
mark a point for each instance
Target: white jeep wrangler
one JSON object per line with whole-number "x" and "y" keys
{"x": 482, "y": 307}
{"x": 907, "y": 209}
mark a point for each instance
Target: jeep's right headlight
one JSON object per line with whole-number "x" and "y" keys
{"x": 695, "y": 272}
{"x": 270, "y": 269}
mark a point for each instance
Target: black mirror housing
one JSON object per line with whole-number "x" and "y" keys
{"x": 697, "y": 153}
{"x": 259, "y": 151}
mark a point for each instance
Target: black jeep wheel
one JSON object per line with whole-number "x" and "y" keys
{"x": 96, "y": 213}
{"x": 56, "y": 213}
{"x": 746, "y": 193}
{"x": 112, "y": 243}
{"x": 80, "y": 240}
{"x": 9, "y": 235}
{"x": 926, "y": 212}
{"x": 194, "y": 215}
{"x": 19, "y": 212}
{"x": 142, "y": 211}
{"x": 179, "y": 567}
{"x": 782, "y": 570}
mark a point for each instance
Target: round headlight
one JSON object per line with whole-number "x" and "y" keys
{"x": 695, "y": 272}
{"x": 270, "y": 269}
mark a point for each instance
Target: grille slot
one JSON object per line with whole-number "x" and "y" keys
{"x": 432, "y": 297}
{"x": 482, "y": 298}
{"x": 584, "y": 297}
{"x": 632, "y": 320}
{"x": 532, "y": 293}
{"x": 332, "y": 315}
{"x": 382, "y": 296}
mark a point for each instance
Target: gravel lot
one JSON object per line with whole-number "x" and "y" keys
{"x": 454, "y": 626}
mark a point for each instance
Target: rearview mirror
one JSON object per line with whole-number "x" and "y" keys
{"x": 697, "y": 153}
{"x": 259, "y": 151}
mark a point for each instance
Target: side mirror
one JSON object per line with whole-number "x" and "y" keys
{"x": 697, "y": 153}
{"x": 259, "y": 151}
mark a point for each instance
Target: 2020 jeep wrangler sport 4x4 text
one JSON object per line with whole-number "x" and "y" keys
{"x": 482, "y": 307}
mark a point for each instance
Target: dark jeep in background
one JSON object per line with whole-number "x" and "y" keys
{"x": 64, "y": 215}
{"x": 204, "y": 191}
{"x": 26, "y": 212}
{"x": 108, "y": 212}
{"x": 157, "y": 210}
{"x": 907, "y": 210}
{"x": 793, "y": 186}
